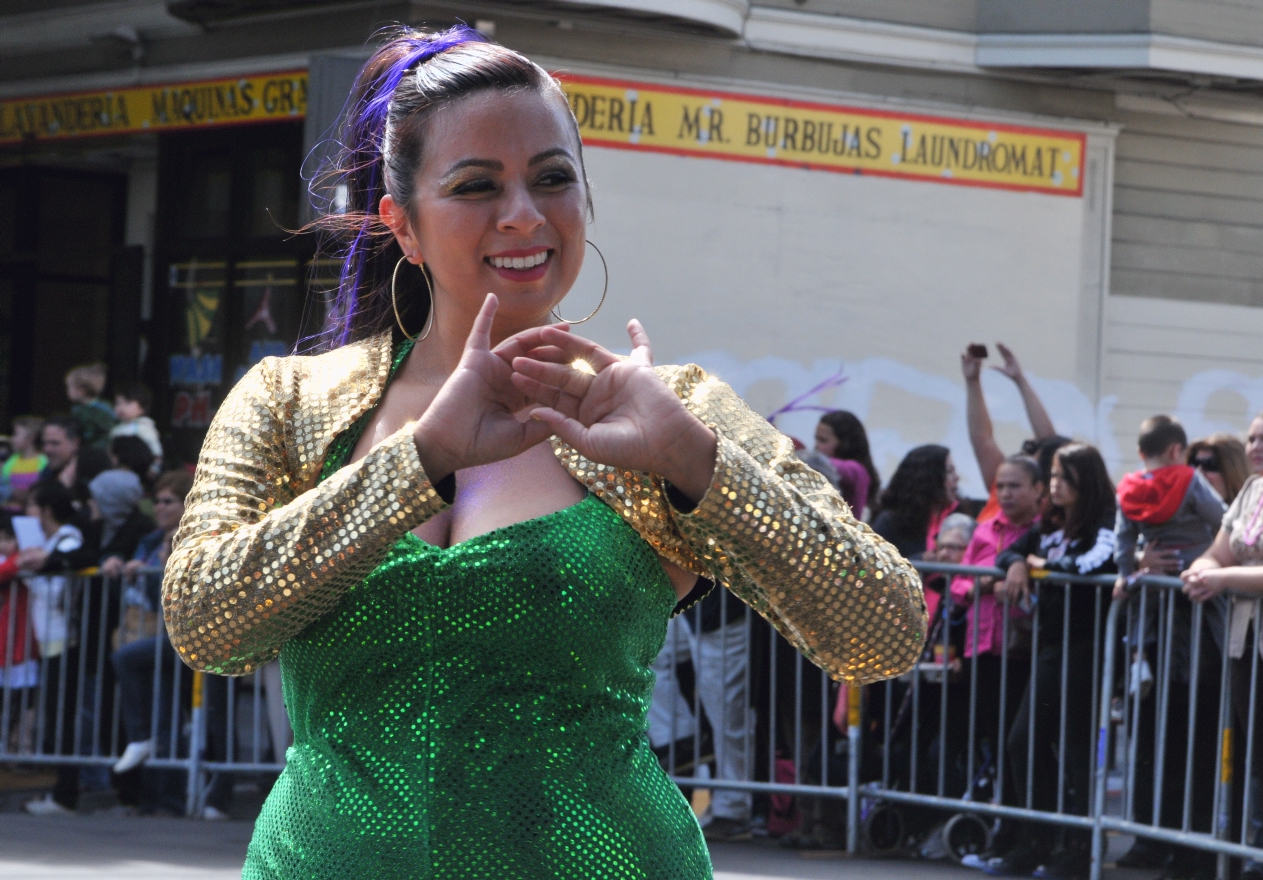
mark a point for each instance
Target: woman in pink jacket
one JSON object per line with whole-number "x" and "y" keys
{"x": 1019, "y": 487}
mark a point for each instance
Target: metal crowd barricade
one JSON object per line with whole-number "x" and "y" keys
{"x": 915, "y": 746}
{"x": 1198, "y": 663}
{"x": 912, "y": 750}
{"x": 63, "y": 701}
{"x": 935, "y": 673}
{"x": 713, "y": 705}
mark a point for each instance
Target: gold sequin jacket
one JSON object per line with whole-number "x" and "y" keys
{"x": 263, "y": 551}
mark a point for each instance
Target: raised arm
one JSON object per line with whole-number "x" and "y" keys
{"x": 981, "y": 433}
{"x": 1041, "y": 424}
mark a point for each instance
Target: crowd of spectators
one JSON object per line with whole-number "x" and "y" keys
{"x": 90, "y": 510}
{"x": 1193, "y": 509}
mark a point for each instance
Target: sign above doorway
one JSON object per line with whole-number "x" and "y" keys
{"x": 714, "y": 124}
{"x": 267, "y": 97}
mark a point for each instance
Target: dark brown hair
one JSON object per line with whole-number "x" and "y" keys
{"x": 137, "y": 393}
{"x": 853, "y": 445}
{"x": 1084, "y": 470}
{"x": 178, "y": 482}
{"x": 918, "y": 488}
{"x": 1234, "y": 464}
{"x": 1158, "y": 433}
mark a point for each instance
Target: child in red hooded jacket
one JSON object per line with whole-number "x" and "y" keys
{"x": 1168, "y": 503}
{"x": 1171, "y": 505}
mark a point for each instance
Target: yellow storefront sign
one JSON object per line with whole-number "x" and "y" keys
{"x": 228, "y": 101}
{"x": 746, "y": 128}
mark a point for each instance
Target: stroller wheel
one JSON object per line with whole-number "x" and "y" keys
{"x": 883, "y": 829}
{"x": 966, "y": 834}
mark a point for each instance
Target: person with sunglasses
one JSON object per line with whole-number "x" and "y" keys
{"x": 1222, "y": 460}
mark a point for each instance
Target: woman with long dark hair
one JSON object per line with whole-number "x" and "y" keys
{"x": 466, "y": 614}
{"x": 1075, "y": 536}
{"x": 918, "y": 498}
{"x": 840, "y": 436}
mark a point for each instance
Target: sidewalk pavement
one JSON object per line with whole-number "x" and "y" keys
{"x": 103, "y": 846}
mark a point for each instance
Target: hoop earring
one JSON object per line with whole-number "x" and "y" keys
{"x": 604, "y": 290}
{"x": 394, "y": 304}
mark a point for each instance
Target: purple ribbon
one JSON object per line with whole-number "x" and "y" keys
{"x": 797, "y": 404}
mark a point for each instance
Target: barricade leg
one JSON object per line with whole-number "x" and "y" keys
{"x": 192, "y": 803}
{"x": 1101, "y": 764}
{"x": 216, "y": 738}
{"x": 1222, "y": 809}
{"x": 853, "y": 757}
{"x": 60, "y": 687}
{"x": 1247, "y": 703}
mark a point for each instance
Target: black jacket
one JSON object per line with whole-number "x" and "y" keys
{"x": 909, "y": 542}
{"x": 1071, "y": 557}
{"x": 91, "y": 553}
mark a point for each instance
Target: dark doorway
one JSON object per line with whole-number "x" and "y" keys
{"x": 67, "y": 285}
{"x": 231, "y": 278}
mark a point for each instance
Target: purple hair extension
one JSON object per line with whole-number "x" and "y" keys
{"x": 365, "y": 140}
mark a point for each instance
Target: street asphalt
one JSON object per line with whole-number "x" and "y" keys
{"x": 102, "y": 846}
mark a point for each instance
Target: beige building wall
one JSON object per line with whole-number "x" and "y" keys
{"x": 1141, "y": 296}
{"x": 777, "y": 279}
{"x": 1185, "y": 317}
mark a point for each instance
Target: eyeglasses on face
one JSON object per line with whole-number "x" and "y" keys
{"x": 1206, "y": 463}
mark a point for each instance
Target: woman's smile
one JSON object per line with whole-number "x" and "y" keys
{"x": 523, "y": 265}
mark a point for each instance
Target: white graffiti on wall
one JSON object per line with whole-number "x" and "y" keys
{"x": 1071, "y": 410}
{"x": 1196, "y": 393}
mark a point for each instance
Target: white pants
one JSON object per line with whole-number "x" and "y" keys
{"x": 720, "y": 660}
{"x": 278, "y": 719}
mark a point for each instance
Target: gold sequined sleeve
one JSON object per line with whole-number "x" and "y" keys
{"x": 778, "y": 535}
{"x": 254, "y": 561}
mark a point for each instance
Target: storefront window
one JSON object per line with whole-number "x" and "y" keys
{"x": 271, "y": 310}
{"x": 231, "y": 292}
{"x": 76, "y": 225}
{"x": 8, "y": 220}
{"x": 209, "y": 197}
{"x": 6, "y": 338}
{"x": 274, "y": 196}
{"x": 72, "y": 325}
{"x": 61, "y": 255}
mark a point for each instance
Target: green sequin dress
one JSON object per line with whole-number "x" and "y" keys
{"x": 479, "y": 711}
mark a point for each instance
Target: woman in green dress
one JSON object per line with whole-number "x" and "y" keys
{"x": 463, "y": 544}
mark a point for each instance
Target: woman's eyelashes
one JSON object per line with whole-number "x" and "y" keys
{"x": 557, "y": 177}
{"x": 477, "y": 186}
{"x": 553, "y": 179}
